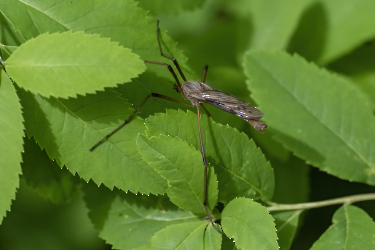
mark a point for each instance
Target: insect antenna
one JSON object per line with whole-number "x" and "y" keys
{"x": 204, "y": 73}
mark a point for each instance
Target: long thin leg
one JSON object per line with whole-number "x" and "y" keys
{"x": 170, "y": 69}
{"x": 206, "y": 110}
{"x": 133, "y": 113}
{"x": 171, "y": 99}
{"x": 204, "y": 159}
{"x": 167, "y": 56}
{"x": 209, "y": 216}
{"x": 204, "y": 73}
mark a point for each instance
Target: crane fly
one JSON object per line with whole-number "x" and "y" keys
{"x": 197, "y": 93}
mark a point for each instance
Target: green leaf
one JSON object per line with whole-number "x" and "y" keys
{"x": 240, "y": 166}
{"x": 212, "y": 238}
{"x": 21, "y": 17}
{"x": 177, "y": 237}
{"x": 44, "y": 225}
{"x": 124, "y": 16}
{"x": 181, "y": 165}
{"x": 360, "y": 67}
{"x": 352, "y": 229}
{"x": 68, "y": 128}
{"x": 271, "y": 147}
{"x": 330, "y": 29}
{"x": 273, "y": 22}
{"x": 120, "y": 20}
{"x": 286, "y": 226}
{"x": 8, "y": 50}
{"x": 135, "y": 92}
{"x": 137, "y": 218}
{"x": 323, "y": 118}
{"x": 98, "y": 200}
{"x": 11, "y": 132}
{"x": 67, "y": 64}
{"x": 228, "y": 244}
{"x": 8, "y": 36}
{"x": 138, "y": 223}
{"x": 170, "y": 6}
{"x": 291, "y": 173}
{"x": 250, "y": 224}
{"x": 51, "y": 182}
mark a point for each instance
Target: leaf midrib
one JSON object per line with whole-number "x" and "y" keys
{"x": 185, "y": 180}
{"x": 347, "y": 224}
{"x": 252, "y": 230}
{"x": 188, "y": 236}
{"x": 371, "y": 166}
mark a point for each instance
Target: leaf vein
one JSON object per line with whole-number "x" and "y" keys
{"x": 372, "y": 166}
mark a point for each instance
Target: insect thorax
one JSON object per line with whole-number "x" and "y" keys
{"x": 191, "y": 87}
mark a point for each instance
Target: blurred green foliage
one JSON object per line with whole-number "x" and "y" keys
{"x": 36, "y": 223}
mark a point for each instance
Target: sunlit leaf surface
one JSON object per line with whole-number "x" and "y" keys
{"x": 11, "y": 132}
{"x": 181, "y": 165}
{"x": 67, "y": 64}
{"x": 239, "y": 164}
{"x": 319, "y": 116}
{"x": 352, "y": 228}
{"x": 180, "y": 236}
{"x": 249, "y": 224}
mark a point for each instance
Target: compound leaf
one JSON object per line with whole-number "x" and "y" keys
{"x": 319, "y": 116}
{"x": 241, "y": 167}
{"x": 135, "y": 31}
{"x": 178, "y": 237}
{"x": 181, "y": 165}
{"x": 352, "y": 229}
{"x": 250, "y": 224}
{"x": 11, "y": 132}
{"x": 67, "y": 64}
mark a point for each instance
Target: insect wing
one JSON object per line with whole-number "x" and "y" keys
{"x": 229, "y": 104}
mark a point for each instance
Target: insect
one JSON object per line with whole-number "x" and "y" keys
{"x": 197, "y": 93}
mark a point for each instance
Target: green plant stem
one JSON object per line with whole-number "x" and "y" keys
{"x": 309, "y": 205}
